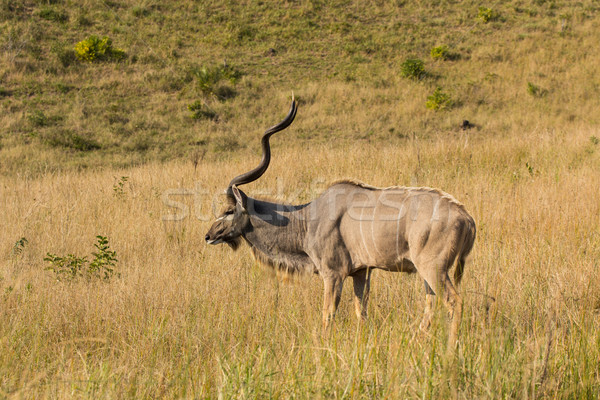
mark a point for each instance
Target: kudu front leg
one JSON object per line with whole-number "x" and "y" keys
{"x": 331, "y": 300}
{"x": 454, "y": 303}
{"x": 362, "y": 284}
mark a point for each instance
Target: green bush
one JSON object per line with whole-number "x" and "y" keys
{"x": 71, "y": 267}
{"x": 210, "y": 80}
{"x": 412, "y": 68}
{"x": 440, "y": 52}
{"x": 38, "y": 119}
{"x": 486, "y": 14}
{"x": 98, "y": 49}
{"x": 438, "y": 100}
{"x": 207, "y": 78}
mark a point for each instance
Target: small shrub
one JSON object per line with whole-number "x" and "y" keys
{"x": 486, "y": 14}
{"x": 19, "y": 246}
{"x": 412, "y": 68}
{"x": 105, "y": 259}
{"x": 38, "y": 119}
{"x": 440, "y": 52}
{"x": 201, "y": 111}
{"x": 535, "y": 90}
{"x": 530, "y": 169}
{"x": 438, "y": 100}
{"x": 594, "y": 140}
{"x": 98, "y": 49}
{"x": 71, "y": 267}
{"x": 119, "y": 187}
{"x": 209, "y": 80}
{"x": 67, "y": 267}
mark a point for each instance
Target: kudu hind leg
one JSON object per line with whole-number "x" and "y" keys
{"x": 362, "y": 284}
{"x": 439, "y": 281}
{"x": 331, "y": 299}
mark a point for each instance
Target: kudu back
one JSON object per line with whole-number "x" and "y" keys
{"x": 351, "y": 229}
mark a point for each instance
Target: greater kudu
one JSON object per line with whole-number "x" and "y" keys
{"x": 350, "y": 229}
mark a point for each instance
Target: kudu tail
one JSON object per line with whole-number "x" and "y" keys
{"x": 467, "y": 246}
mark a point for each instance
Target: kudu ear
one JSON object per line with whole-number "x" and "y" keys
{"x": 240, "y": 198}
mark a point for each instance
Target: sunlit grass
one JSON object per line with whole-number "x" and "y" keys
{"x": 187, "y": 320}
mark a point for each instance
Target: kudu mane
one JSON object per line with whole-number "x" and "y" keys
{"x": 424, "y": 189}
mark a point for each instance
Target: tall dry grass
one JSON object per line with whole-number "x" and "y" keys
{"x": 185, "y": 320}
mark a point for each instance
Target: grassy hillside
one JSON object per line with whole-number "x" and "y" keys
{"x": 175, "y": 110}
{"x": 530, "y": 67}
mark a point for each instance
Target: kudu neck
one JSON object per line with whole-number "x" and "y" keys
{"x": 276, "y": 231}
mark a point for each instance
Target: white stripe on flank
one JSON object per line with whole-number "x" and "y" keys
{"x": 373, "y": 228}
{"x": 398, "y": 233}
{"x": 362, "y": 235}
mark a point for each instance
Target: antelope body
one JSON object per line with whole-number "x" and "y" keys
{"x": 351, "y": 229}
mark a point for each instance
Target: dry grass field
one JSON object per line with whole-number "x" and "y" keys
{"x": 187, "y": 320}
{"x": 114, "y": 149}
